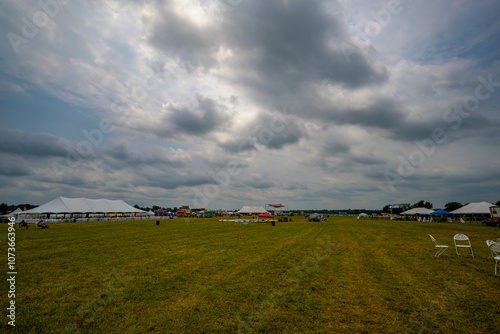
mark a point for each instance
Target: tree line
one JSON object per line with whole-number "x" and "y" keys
{"x": 156, "y": 207}
{"x": 5, "y": 208}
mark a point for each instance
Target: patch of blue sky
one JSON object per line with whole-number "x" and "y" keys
{"x": 42, "y": 113}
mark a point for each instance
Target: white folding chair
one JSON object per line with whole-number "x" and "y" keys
{"x": 462, "y": 220}
{"x": 495, "y": 253}
{"x": 462, "y": 241}
{"x": 490, "y": 242}
{"x": 441, "y": 248}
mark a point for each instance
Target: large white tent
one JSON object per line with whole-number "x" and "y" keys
{"x": 64, "y": 205}
{"x": 481, "y": 208}
{"x": 250, "y": 210}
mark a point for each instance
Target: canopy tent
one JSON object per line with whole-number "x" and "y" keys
{"x": 16, "y": 212}
{"x": 316, "y": 217}
{"x": 276, "y": 206}
{"x": 416, "y": 211}
{"x": 441, "y": 212}
{"x": 474, "y": 208}
{"x": 250, "y": 210}
{"x": 475, "y": 211}
{"x": 277, "y": 209}
{"x": 64, "y": 205}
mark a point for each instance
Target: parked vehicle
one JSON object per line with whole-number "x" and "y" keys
{"x": 493, "y": 221}
{"x": 495, "y": 211}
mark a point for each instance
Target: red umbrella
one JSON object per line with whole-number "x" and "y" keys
{"x": 266, "y": 215}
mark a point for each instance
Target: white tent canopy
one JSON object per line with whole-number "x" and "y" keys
{"x": 16, "y": 212}
{"x": 474, "y": 208}
{"x": 83, "y": 205}
{"x": 417, "y": 211}
{"x": 249, "y": 210}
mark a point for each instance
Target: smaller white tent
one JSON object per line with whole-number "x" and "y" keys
{"x": 416, "y": 211}
{"x": 250, "y": 210}
{"x": 16, "y": 212}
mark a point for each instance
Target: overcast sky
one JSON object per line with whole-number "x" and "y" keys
{"x": 222, "y": 103}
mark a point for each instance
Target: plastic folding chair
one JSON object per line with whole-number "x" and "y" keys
{"x": 441, "y": 248}
{"x": 462, "y": 241}
{"x": 495, "y": 252}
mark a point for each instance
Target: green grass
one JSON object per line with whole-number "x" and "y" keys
{"x": 206, "y": 276}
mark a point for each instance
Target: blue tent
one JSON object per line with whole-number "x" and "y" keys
{"x": 441, "y": 212}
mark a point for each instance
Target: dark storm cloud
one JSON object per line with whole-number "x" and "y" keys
{"x": 182, "y": 39}
{"x": 13, "y": 167}
{"x": 454, "y": 123}
{"x": 390, "y": 117}
{"x": 296, "y": 41}
{"x": 256, "y": 182}
{"x": 383, "y": 113}
{"x": 273, "y": 131}
{"x": 173, "y": 179}
{"x": 279, "y": 48}
{"x": 198, "y": 119}
{"x": 284, "y": 43}
{"x": 335, "y": 148}
{"x": 217, "y": 163}
{"x": 367, "y": 160}
{"x": 32, "y": 144}
{"x": 123, "y": 156}
{"x": 462, "y": 186}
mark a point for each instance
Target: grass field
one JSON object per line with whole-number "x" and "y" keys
{"x": 206, "y": 276}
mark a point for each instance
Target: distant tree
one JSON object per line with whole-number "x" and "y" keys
{"x": 142, "y": 208}
{"x": 451, "y": 206}
{"x": 497, "y": 203}
{"x": 26, "y": 205}
{"x": 422, "y": 204}
{"x": 4, "y": 208}
{"x": 386, "y": 208}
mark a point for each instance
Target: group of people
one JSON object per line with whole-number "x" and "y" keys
{"x": 41, "y": 224}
